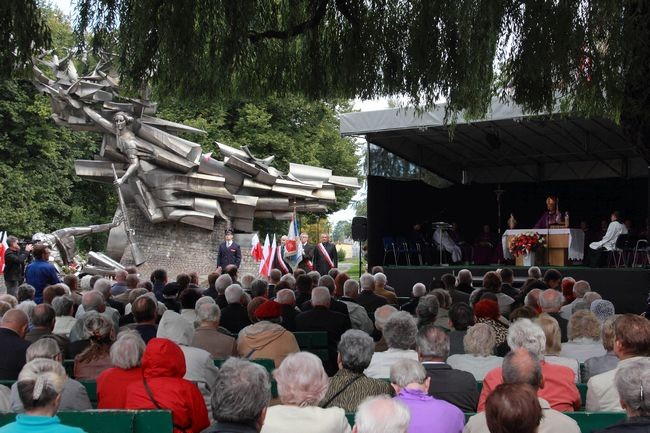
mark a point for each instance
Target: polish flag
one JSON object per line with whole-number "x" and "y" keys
{"x": 3, "y": 247}
{"x": 256, "y": 248}
{"x": 266, "y": 252}
{"x": 269, "y": 256}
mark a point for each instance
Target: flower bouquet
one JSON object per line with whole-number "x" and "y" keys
{"x": 526, "y": 243}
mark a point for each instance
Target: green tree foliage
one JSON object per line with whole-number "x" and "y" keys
{"x": 39, "y": 189}
{"x": 24, "y": 28}
{"x": 342, "y": 230}
{"x": 591, "y": 55}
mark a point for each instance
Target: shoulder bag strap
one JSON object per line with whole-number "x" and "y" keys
{"x": 153, "y": 400}
{"x": 331, "y": 399}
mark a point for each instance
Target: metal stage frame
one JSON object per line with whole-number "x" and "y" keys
{"x": 626, "y": 288}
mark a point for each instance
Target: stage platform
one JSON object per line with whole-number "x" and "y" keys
{"x": 626, "y": 288}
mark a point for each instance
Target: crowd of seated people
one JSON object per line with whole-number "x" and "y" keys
{"x": 401, "y": 362}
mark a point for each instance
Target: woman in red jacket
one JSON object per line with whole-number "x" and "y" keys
{"x": 163, "y": 387}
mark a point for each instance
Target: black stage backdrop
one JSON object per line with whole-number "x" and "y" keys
{"x": 394, "y": 205}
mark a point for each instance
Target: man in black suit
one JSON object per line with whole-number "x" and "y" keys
{"x": 465, "y": 279}
{"x": 449, "y": 281}
{"x": 12, "y": 334}
{"x": 325, "y": 255}
{"x": 454, "y": 386}
{"x": 321, "y": 318}
{"x": 335, "y": 305}
{"x": 507, "y": 278}
{"x": 234, "y": 317}
{"x": 417, "y": 292}
{"x": 307, "y": 253}
{"x": 279, "y": 262}
{"x": 367, "y": 298}
{"x": 287, "y": 299}
{"x": 229, "y": 252}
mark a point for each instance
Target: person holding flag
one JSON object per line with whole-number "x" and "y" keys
{"x": 280, "y": 262}
{"x": 307, "y": 253}
{"x": 325, "y": 255}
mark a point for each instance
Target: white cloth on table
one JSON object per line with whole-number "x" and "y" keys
{"x": 576, "y": 240}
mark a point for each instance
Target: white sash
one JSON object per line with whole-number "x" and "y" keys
{"x": 283, "y": 265}
{"x": 322, "y": 249}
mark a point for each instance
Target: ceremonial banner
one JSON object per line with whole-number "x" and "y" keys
{"x": 293, "y": 247}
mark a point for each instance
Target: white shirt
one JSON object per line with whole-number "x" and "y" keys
{"x": 312, "y": 419}
{"x": 381, "y": 362}
{"x": 479, "y": 366}
{"x": 582, "y": 349}
{"x": 614, "y": 230}
{"x": 63, "y": 325}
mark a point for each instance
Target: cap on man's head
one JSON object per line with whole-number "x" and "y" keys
{"x": 268, "y": 310}
{"x": 228, "y": 232}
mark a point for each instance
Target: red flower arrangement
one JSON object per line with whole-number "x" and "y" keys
{"x": 525, "y": 243}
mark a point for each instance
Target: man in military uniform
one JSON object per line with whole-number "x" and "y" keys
{"x": 229, "y": 252}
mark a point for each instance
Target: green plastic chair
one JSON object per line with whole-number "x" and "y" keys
{"x": 91, "y": 390}
{"x": 590, "y": 421}
{"x": 314, "y": 342}
{"x": 582, "y": 389}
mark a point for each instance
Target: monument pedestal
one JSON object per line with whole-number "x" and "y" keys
{"x": 180, "y": 248}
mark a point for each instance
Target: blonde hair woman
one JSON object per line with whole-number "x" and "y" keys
{"x": 553, "y": 335}
{"x": 40, "y": 385}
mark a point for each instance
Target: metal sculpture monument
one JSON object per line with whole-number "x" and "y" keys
{"x": 167, "y": 177}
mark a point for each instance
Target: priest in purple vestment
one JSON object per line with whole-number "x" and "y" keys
{"x": 551, "y": 216}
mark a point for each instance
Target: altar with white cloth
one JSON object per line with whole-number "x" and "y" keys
{"x": 563, "y": 244}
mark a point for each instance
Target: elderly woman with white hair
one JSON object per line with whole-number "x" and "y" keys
{"x": 302, "y": 384}
{"x": 479, "y": 358}
{"x": 64, "y": 310}
{"x": 126, "y": 356}
{"x": 40, "y": 387}
{"x": 349, "y": 386}
{"x": 399, "y": 333}
{"x": 559, "y": 381}
{"x": 584, "y": 337}
{"x": 73, "y": 395}
{"x": 632, "y": 382}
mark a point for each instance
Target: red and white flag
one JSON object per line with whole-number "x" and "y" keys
{"x": 269, "y": 255}
{"x": 256, "y": 248}
{"x": 266, "y": 252}
{"x": 3, "y": 248}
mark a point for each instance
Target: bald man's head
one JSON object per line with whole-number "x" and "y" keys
{"x": 522, "y": 366}
{"x": 16, "y": 320}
